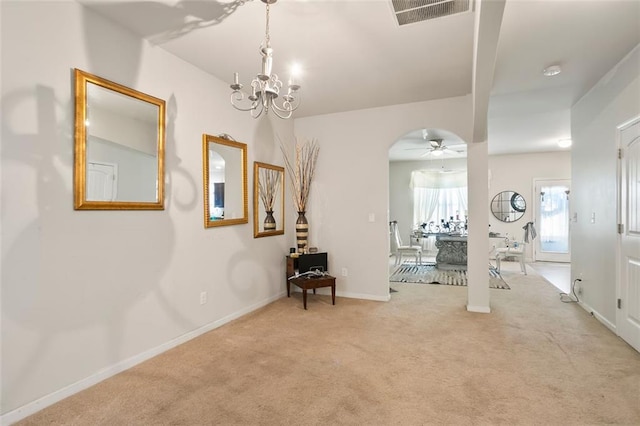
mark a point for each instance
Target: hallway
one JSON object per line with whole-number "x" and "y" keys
{"x": 558, "y": 274}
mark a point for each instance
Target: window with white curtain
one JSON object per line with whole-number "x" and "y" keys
{"x": 439, "y": 195}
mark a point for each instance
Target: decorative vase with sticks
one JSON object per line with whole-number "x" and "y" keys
{"x": 268, "y": 185}
{"x": 301, "y": 172}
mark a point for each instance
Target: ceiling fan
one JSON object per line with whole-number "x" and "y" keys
{"x": 437, "y": 148}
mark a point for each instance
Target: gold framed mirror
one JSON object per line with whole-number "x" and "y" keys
{"x": 268, "y": 200}
{"x": 224, "y": 174}
{"x": 119, "y": 146}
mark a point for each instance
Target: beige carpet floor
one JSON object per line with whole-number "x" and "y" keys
{"x": 419, "y": 359}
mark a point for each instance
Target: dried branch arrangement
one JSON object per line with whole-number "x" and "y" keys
{"x": 301, "y": 172}
{"x": 268, "y": 186}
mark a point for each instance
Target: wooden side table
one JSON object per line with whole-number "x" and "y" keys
{"x": 306, "y": 283}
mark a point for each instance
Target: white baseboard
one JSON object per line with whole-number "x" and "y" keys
{"x": 599, "y": 317}
{"x": 365, "y": 296}
{"x": 47, "y": 400}
{"x": 349, "y": 295}
{"x": 479, "y": 309}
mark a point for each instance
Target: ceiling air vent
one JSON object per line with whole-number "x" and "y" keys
{"x": 411, "y": 11}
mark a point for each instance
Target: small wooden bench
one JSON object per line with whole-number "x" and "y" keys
{"x": 306, "y": 283}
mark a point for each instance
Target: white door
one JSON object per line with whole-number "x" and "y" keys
{"x": 628, "y": 313}
{"x": 101, "y": 181}
{"x": 552, "y": 221}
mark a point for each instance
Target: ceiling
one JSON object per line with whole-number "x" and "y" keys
{"x": 354, "y": 55}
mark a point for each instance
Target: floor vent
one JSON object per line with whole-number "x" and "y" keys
{"x": 411, "y": 11}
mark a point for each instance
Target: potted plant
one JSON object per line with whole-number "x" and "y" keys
{"x": 301, "y": 171}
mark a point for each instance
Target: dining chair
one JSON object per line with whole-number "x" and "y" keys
{"x": 399, "y": 249}
{"x": 515, "y": 249}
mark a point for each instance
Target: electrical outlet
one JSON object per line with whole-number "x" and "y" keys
{"x": 578, "y": 284}
{"x": 203, "y": 297}
{"x": 345, "y": 272}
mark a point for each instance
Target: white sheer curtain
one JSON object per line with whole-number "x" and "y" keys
{"x": 425, "y": 202}
{"x": 438, "y": 195}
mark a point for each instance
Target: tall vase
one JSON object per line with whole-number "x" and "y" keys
{"x": 269, "y": 221}
{"x": 302, "y": 232}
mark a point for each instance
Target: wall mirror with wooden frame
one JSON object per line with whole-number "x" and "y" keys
{"x": 508, "y": 206}
{"x": 119, "y": 146}
{"x": 268, "y": 200}
{"x": 224, "y": 174}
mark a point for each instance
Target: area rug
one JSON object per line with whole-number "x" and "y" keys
{"x": 429, "y": 274}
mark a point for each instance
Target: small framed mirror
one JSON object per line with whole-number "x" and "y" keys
{"x": 224, "y": 175}
{"x": 268, "y": 200}
{"x": 119, "y": 146}
{"x": 508, "y": 206}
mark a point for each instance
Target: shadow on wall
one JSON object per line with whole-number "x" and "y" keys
{"x": 182, "y": 188}
{"x": 65, "y": 271}
{"x": 169, "y": 22}
{"x": 247, "y": 269}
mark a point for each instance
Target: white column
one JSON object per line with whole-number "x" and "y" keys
{"x": 488, "y": 20}
{"x": 478, "y": 239}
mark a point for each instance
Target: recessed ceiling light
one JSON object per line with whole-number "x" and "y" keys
{"x": 564, "y": 143}
{"x": 551, "y": 71}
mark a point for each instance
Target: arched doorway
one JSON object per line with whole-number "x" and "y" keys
{"x": 439, "y": 156}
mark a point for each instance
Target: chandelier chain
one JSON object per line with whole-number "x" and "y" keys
{"x": 267, "y": 37}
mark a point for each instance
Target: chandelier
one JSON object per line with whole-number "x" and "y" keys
{"x": 265, "y": 87}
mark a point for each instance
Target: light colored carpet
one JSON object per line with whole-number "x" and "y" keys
{"x": 429, "y": 274}
{"x": 419, "y": 359}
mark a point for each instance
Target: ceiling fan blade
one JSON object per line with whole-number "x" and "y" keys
{"x": 453, "y": 154}
{"x": 458, "y": 147}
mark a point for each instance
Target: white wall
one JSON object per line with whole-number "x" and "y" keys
{"x": 87, "y": 293}
{"x": 611, "y": 102}
{"x": 352, "y": 183}
{"x": 140, "y": 135}
{"x": 136, "y": 171}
